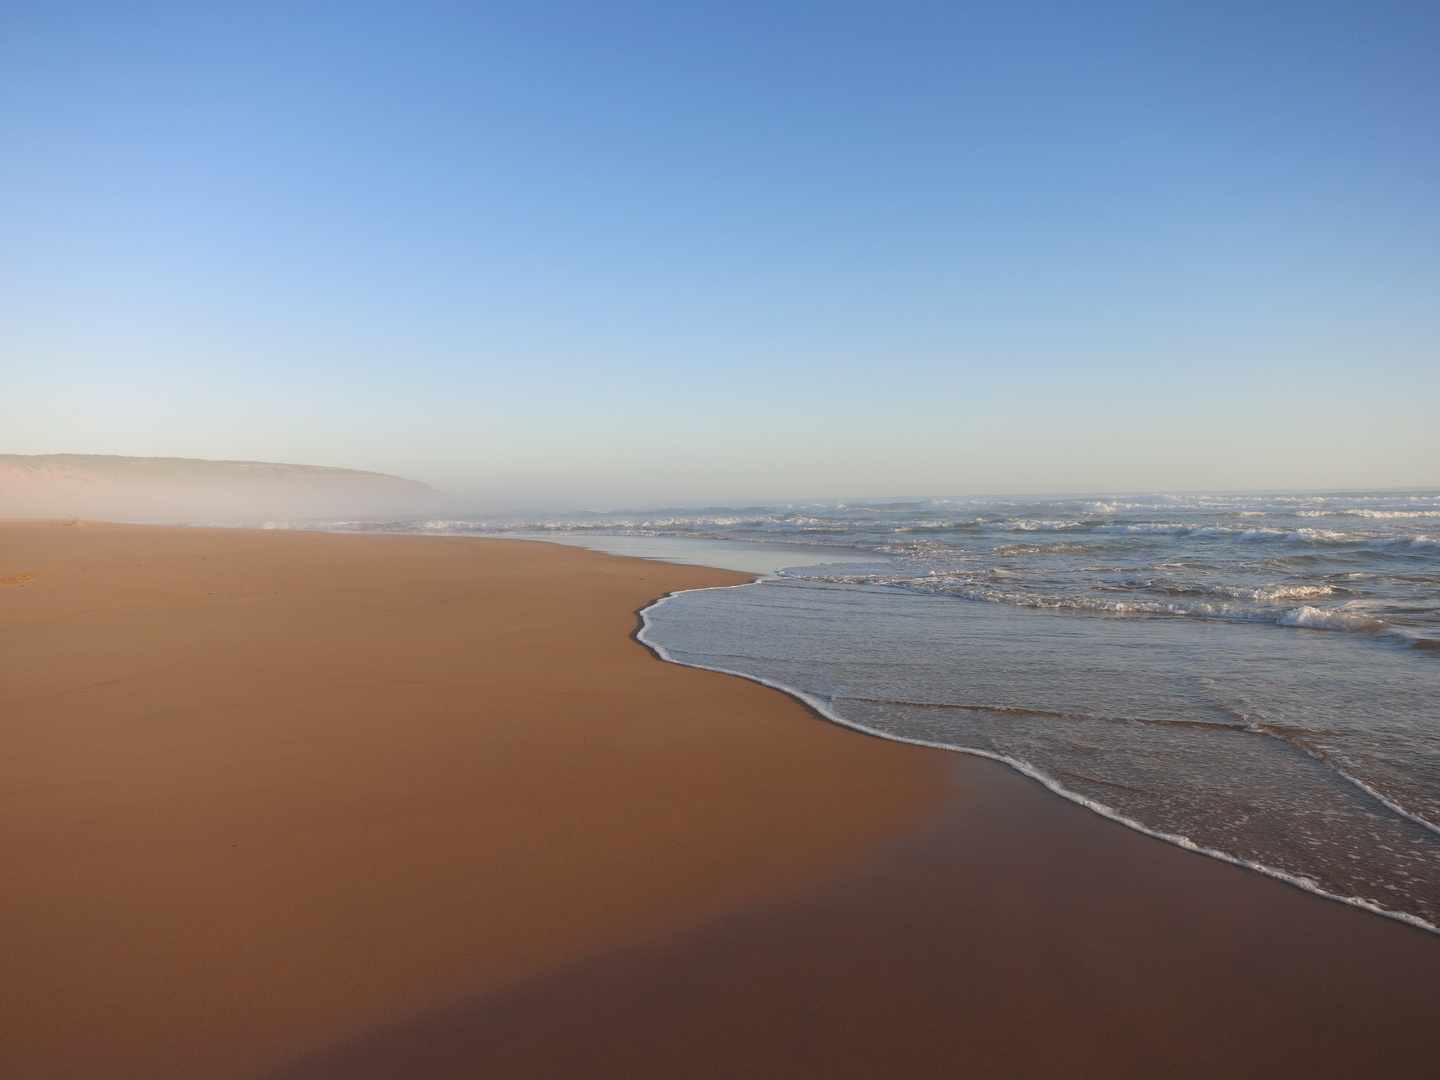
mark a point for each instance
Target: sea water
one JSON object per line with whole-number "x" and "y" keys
{"x": 1253, "y": 676}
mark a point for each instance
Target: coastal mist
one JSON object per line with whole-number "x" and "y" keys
{"x": 1256, "y": 677}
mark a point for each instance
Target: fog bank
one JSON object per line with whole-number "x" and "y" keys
{"x": 115, "y": 488}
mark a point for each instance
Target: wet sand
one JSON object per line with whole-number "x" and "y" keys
{"x": 1015, "y": 935}
{"x": 361, "y": 806}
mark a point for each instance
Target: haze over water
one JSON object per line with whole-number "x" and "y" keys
{"x": 1253, "y": 675}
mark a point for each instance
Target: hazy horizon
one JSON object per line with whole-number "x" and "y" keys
{"x": 169, "y": 488}
{"x": 626, "y": 253}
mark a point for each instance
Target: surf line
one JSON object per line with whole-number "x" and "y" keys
{"x": 821, "y": 707}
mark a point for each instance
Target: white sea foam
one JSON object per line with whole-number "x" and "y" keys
{"x": 1322, "y": 536}
{"x": 1331, "y": 619}
{"x": 1144, "y": 528}
{"x": 1267, "y": 593}
{"x": 1365, "y": 512}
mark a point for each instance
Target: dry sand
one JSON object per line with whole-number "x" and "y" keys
{"x": 263, "y": 789}
{"x": 425, "y": 800}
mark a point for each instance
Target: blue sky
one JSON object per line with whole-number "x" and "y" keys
{"x": 643, "y": 251}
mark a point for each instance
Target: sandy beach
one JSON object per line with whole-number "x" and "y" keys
{"x": 307, "y": 805}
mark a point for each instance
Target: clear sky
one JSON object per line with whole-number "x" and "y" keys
{"x": 655, "y": 251}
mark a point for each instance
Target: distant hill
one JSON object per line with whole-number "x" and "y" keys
{"x": 183, "y": 489}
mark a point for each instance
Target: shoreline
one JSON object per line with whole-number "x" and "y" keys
{"x": 264, "y": 790}
{"x": 818, "y": 707}
{"x": 1013, "y": 934}
{"x": 353, "y": 806}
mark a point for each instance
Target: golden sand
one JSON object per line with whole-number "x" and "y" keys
{"x": 262, "y": 789}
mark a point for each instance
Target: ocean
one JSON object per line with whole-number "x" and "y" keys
{"x": 1252, "y": 676}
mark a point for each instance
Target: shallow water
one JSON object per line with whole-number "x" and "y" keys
{"x": 1257, "y": 676}
{"x": 1234, "y": 739}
